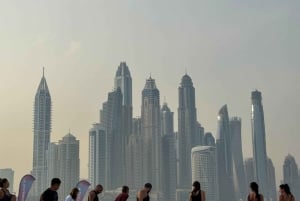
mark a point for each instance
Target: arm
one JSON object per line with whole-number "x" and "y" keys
{"x": 190, "y": 196}
{"x": 262, "y": 198}
{"x": 203, "y": 198}
{"x": 92, "y": 195}
{"x": 141, "y": 195}
{"x": 1, "y": 194}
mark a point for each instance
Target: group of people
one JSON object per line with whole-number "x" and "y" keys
{"x": 143, "y": 195}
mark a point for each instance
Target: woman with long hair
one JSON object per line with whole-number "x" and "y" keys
{"x": 4, "y": 192}
{"x": 197, "y": 194}
{"x": 285, "y": 193}
{"x": 73, "y": 195}
{"x": 254, "y": 193}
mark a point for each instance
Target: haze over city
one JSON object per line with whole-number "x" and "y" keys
{"x": 228, "y": 48}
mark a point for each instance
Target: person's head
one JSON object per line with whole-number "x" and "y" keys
{"x": 148, "y": 187}
{"x": 285, "y": 189}
{"x": 281, "y": 189}
{"x": 74, "y": 193}
{"x": 196, "y": 186}
{"x": 4, "y": 183}
{"x": 254, "y": 187}
{"x": 98, "y": 189}
{"x": 125, "y": 189}
{"x": 55, "y": 183}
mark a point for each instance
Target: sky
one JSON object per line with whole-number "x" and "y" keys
{"x": 229, "y": 48}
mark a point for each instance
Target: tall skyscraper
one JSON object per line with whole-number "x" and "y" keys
{"x": 272, "y": 193}
{"x": 238, "y": 160}
{"x": 68, "y": 163}
{"x": 209, "y": 140}
{"x": 199, "y": 134}
{"x": 224, "y": 157}
{"x": 9, "y": 174}
{"x": 42, "y": 130}
{"x": 249, "y": 171}
{"x": 169, "y": 161}
{"x": 52, "y": 162}
{"x": 187, "y": 138}
{"x": 111, "y": 119}
{"x": 151, "y": 134}
{"x": 259, "y": 143}
{"x": 97, "y": 155}
{"x": 204, "y": 170}
{"x": 290, "y": 172}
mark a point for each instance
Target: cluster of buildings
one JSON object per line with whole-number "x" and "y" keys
{"x": 127, "y": 150}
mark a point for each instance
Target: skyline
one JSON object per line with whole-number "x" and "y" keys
{"x": 80, "y": 69}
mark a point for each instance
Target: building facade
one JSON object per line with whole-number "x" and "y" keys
{"x": 291, "y": 173}
{"x": 204, "y": 170}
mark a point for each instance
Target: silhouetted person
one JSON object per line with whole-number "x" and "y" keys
{"x": 73, "y": 195}
{"x": 51, "y": 193}
{"x": 254, "y": 193}
{"x": 4, "y": 192}
{"x": 93, "y": 195}
{"x": 197, "y": 194}
{"x": 143, "y": 195}
{"x": 285, "y": 193}
{"x": 124, "y": 195}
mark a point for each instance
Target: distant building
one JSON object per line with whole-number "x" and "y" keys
{"x": 169, "y": 161}
{"x": 97, "y": 155}
{"x": 224, "y": 157}
{"x": 151, "y": 135}
{"x": 187, "y": 130}
{"x": 199, "y": 135}
{"x": 259, "y": 143}
{"x": 8, "y": 173}
{"x": 204, "y": 170}
{"x": 272, "y": 181}
{"x": 42, "y": 130}
{"x": 291, "y": 173}
{"x": 52, "y": 162}
{"x": 249, "y": 171}
{"x": 238, "y": 160}
{"x": 209, "y": 140}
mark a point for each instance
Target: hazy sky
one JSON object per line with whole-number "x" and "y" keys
{"x": 228, "y": 47}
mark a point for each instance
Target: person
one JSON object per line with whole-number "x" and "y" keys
{"x": 5, "y": 195}
{"x": 93, "y": 195}
{"x": 143, "y": 195}
{"x": 73, "y": 195}
{"x": 51, "y": 193}
{"x": 124, "y": 195}
{"x": 197, "y": 194}
{"x": 285, "y": 193}
{"x": 254, "y": 194}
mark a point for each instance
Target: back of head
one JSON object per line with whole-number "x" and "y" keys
{"x": 2, "y": 182}
{"x": 197, "y": 185}
{"x": 287, "y": 189}
{"x": 254, "y": 187}
{"x": 55, "y": 181}
{"x": 125, "y": 189}
{"x": 74, "y": 193}
{"x": 148, "y": 185}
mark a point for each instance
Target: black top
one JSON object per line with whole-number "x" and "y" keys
{"x": 49, "y": 195}
{"x": 7, "y": 196}
{"x": 196, "y": 197}
{"x": 145, "y": 199}
{"x": 96, "y": 196}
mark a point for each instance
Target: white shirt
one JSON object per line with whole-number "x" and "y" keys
{"x": 69, "y": 198}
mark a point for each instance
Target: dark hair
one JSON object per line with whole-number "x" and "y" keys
{"x": 148, "y": 185}
{"x": 197, "y": 185}
{"x": 286, "y": 189}
{"x": 2, "y": 182}
{"x": 100, "y": 186}
{"x": 254, "y": 187}
{"x": 74, "y": 193}
{"x": 55, "y": 181}
{"x": 125, "y": 189}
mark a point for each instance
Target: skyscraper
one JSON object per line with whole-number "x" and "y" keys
{"x": 52, "y": 162}
{"x": 111, "y": 119}
{"x": 97, "y": 155}
{"x": 204, "y": 170}
{"x": 9, "y": 174}
{"x": 151, "y": 134}
{"x": 199, "y": 134}
{"x": 249, "y": 171}
{"x": 68, "y": 163}
{"x": 259, "y": 143}
{"x": 224, "y": 157}
{"x": 187, "y": 137}
{"x": 169, "y": 161}
{"x": 209, "y": 140}
{"x": 237, "y": 156}
{"x": 290, "y": 172}
{"x": 272, "y": 193}
{"x": 42, "y": 130}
